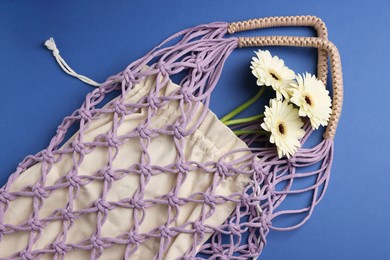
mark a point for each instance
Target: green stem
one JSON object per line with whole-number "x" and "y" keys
{"x": 242, "y": 132}
{"x": 244, "y": 120}
{"x": 244, "y": 106}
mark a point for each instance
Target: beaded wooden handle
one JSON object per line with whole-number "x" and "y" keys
{"x": 284, "y": 21}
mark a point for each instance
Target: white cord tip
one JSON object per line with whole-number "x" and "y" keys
{"x": 51, "y": 45}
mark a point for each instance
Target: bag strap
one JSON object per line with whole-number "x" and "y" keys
{"x": 287, "y": 21}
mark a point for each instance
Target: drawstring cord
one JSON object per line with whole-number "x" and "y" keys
{"x": 51, "y": 45}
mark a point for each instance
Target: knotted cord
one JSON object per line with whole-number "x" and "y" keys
{"x": 200, "y": 53}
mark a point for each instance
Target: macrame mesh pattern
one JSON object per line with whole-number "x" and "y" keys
{"x": 220, "y": 206}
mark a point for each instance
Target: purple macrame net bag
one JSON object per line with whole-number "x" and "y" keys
{"x": 199, "y": 54}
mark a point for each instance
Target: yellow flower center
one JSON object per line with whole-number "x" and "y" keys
{"x": 281, "y": 128}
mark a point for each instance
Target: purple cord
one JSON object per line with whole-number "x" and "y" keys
{"x": 202, "y": 51}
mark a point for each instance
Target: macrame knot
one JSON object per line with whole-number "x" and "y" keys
{"x": 137, "y": 203}
{"x": 163, "y": 67}
{"x": 145, "y": 170}
{"x": 271, "y": 190}
{"x": 112, "y": 141}
{"x": 85, "y": 114}
{"x": 129, "y": 76}
{"x": 79, "y": 147}
{"x": 178, "y": 132}
{"x": 153, "y": 102}
{"x": 144, "y": 132}
{"x": 101, "y": 92}
{"x": 222, "y": 169}
{"x": 35, "y": 224}
{"x": 120, "y": 108}
{"x": 39, "y": 192}
{"x": 218, "y": 251}
{"x": 68, "y": 215}
{"x": 255, "y": 199}
{"x": 102, "y": 206}
{"x": 199, "y": 227}
{"x": 199, "y": 66}
{"x": 209, "y": 199}
{"x": 183, "y": 168}
{"x": 187, "y": 96}
{"x": 60, "y": 248}
{"x": 74, "y": 180}
{"x": 108, "y": 175}
{"x": 48, "y": 156}
{"x": 5, "y": 196}
{"x": 61, "y": 130}
{"x": 166, "y": 232}
{"x": 265, "y": 221}
{"x": 26, "y": 255}
{"x": 97, "y": 243}
{"x": 246, "y": 200}
{"x": 134, "y": 238}
{"x": 235, "y": 229}
{"x": 252, "y": 249}
{"x": 258, "y": 171}
{"x": 174, "y": 201}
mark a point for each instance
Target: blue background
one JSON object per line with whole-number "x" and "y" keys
{"x": 99, "y": 39}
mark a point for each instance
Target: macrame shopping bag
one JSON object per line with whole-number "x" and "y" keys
{"x": 154, "y": 174}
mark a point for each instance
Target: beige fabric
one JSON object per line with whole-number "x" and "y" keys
{"x": 208, "y": 143}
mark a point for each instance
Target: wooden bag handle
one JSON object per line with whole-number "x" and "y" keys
{"x": 287, "y": 21}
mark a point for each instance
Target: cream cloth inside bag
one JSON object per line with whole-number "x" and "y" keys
{"x": 209, "y": 142}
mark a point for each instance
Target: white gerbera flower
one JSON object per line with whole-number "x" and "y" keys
{"x": 313, "y": 100}
{"x": 271, "y": 71}
{"x": 285, "y": 125}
